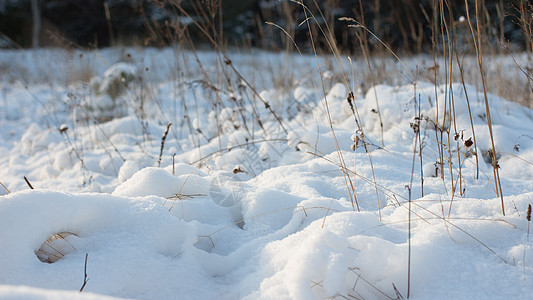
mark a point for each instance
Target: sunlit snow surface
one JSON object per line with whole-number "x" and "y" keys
{"x": 244, "y": 209}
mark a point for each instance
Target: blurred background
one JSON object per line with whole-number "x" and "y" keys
{"x": 404, "y": 25}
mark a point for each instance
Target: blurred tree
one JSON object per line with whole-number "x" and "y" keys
{"x": 402, "y": 24}
{"x": 36, "y": 19}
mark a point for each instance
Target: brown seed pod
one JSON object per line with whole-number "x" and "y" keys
{"x": 469, "y": 143}
{"x": 237, "y": 169}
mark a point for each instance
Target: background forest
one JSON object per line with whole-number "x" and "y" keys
{"x": 402, "y": 24}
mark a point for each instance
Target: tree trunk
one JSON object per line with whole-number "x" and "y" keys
{"x": 36, "y": 16}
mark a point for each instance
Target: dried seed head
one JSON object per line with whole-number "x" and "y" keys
{"x": 63, "y": 128}
{"x": 350, "y": 100}
{"x": 469, "y": 143}
{"x": 415, "y": 127}
{"x": 528, "y": 214}
{"x": 237, "y": 169}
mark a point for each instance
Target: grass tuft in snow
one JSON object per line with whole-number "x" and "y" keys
{"x": 56, "y": 247}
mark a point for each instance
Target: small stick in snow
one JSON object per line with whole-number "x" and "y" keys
{"x": 173, "y": 164}
{"x": 528, "y": 217}
{"x": 163, "y": 138}
{"x": 28, "y": 182}
{"x": 85, "y": 279}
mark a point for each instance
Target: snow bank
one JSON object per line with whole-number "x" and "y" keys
{"x": 247, "y": 202}
{"x": 26, "y": 292}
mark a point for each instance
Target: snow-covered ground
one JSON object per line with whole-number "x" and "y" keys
{"x": 255, "y": 191}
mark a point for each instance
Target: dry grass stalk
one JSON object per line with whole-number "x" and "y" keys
{"x": 309, "y": 16}
{"x": 479, "y": 54}
{"x": 5, "y": 188}
{"x": 460, "y": 65}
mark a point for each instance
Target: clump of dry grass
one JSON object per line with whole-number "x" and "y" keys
{"x": 56, "y": 247}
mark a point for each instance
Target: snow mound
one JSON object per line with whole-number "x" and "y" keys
{"x": 116, "y": 79}
{"x": 272, "y": 193}
{"x": 30, "y": 293}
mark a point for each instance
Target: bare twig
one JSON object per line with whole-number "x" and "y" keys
{"x": 163, "y": 138}
{"x": 28, "y": 182}
{"x": 85, "y": 279}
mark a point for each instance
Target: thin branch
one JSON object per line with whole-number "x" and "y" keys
{"x": 28, "y": 182}
{"x": 163, "y": 138}
{"x": 85, "y": 279}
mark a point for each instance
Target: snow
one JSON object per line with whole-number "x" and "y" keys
{"x": 245, "y": 201}
{"x": 26, "y": 292}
